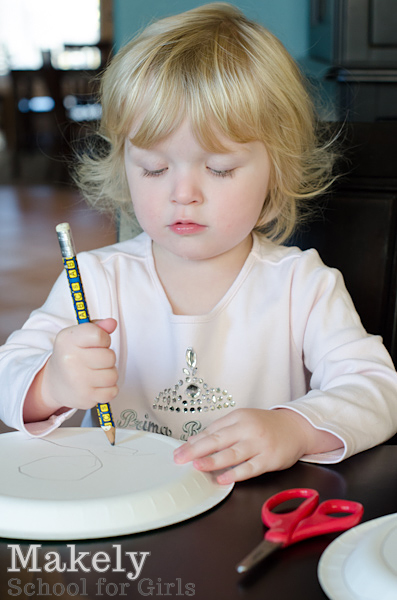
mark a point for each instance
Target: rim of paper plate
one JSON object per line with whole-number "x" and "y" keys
{"x": 331, "y": 565}
{"x": 188, "y": 493}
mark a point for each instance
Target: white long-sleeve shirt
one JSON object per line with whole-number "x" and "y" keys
{"x": 286, "y": 334}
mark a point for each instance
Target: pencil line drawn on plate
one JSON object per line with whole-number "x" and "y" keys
{"x": 72, "y": 485}
{"x": 75, "y": 465}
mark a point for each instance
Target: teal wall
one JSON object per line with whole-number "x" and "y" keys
{"x": 288, "y": 19}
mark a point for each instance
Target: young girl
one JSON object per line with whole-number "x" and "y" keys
{"x": 208, "y": 329}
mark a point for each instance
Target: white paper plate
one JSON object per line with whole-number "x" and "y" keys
{"x": 361, "y": 564}
{"x": 73, "y": 484}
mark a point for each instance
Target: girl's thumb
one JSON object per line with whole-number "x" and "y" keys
{"x": 108, "y": 325}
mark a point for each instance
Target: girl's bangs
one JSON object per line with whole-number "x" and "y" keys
{"x": 168, "y": 99}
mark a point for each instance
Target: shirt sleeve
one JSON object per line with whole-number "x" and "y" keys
{"x": 25, "y": 354}
{"x": 27, "y": 350}
{"x": 353, "y": 383}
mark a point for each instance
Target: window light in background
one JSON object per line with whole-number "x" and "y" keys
{"x": 29, "y": 28}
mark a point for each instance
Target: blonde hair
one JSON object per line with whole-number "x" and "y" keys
{"x": 224, "y": 73}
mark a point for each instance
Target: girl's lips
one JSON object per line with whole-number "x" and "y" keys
{"x": 186, "y": 228}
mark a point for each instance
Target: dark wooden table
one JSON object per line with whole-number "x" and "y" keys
{"x": 197, "y": 558}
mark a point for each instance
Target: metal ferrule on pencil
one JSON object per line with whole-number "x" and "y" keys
{"x": 65, "y": 240}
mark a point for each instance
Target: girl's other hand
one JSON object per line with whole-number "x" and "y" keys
{"x": 249, "y": 442}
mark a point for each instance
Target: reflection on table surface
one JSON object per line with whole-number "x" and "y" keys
{"x": 197, "y": 558}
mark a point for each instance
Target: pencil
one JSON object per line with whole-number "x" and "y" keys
{"x": 80, "y": 305}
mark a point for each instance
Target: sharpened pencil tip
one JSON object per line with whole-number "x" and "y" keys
{"x": 111, "y": 434}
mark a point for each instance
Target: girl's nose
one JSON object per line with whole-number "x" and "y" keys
{"x": 186, "y": 189}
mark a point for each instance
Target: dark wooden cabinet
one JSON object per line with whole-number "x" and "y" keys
{"x": 355, "y": 228}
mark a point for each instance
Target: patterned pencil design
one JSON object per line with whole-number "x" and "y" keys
{"x": 80, "y": 305}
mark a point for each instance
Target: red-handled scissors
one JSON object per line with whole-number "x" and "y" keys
{"x": 306, "y": 521}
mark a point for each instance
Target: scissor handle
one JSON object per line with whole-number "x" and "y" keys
{"x": 308, "y": 520}
{"x": 282, "y": 525}
{"x": 323, "y": 520}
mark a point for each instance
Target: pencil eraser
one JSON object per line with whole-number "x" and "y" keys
{"x": 62, "y": 227}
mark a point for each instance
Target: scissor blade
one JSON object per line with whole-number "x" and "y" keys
{"x": 257, "y": 555}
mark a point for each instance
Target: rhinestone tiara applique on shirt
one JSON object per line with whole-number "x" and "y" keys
{"x": 191, "y": 394}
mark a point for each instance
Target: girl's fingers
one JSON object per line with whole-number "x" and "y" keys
{"x": 204, "y": 444}
{"x": 86, "y": 335}
{"x": 100, "y": 358}
{"x": 246, "y": 470}
{"x": 102, "y": 378}
{"x": 236, "y": 463}
{"x": 104, "y": 395}
{"x": 222, "y": 459}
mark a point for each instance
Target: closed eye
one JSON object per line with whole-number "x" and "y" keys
{"x": 222, "y": 173}
{"x": 156, "y": 173}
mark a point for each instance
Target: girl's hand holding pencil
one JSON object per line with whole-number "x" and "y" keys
{"x": 80, "y": 373}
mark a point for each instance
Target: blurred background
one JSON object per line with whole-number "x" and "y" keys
{"x": 51, "y": 54}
